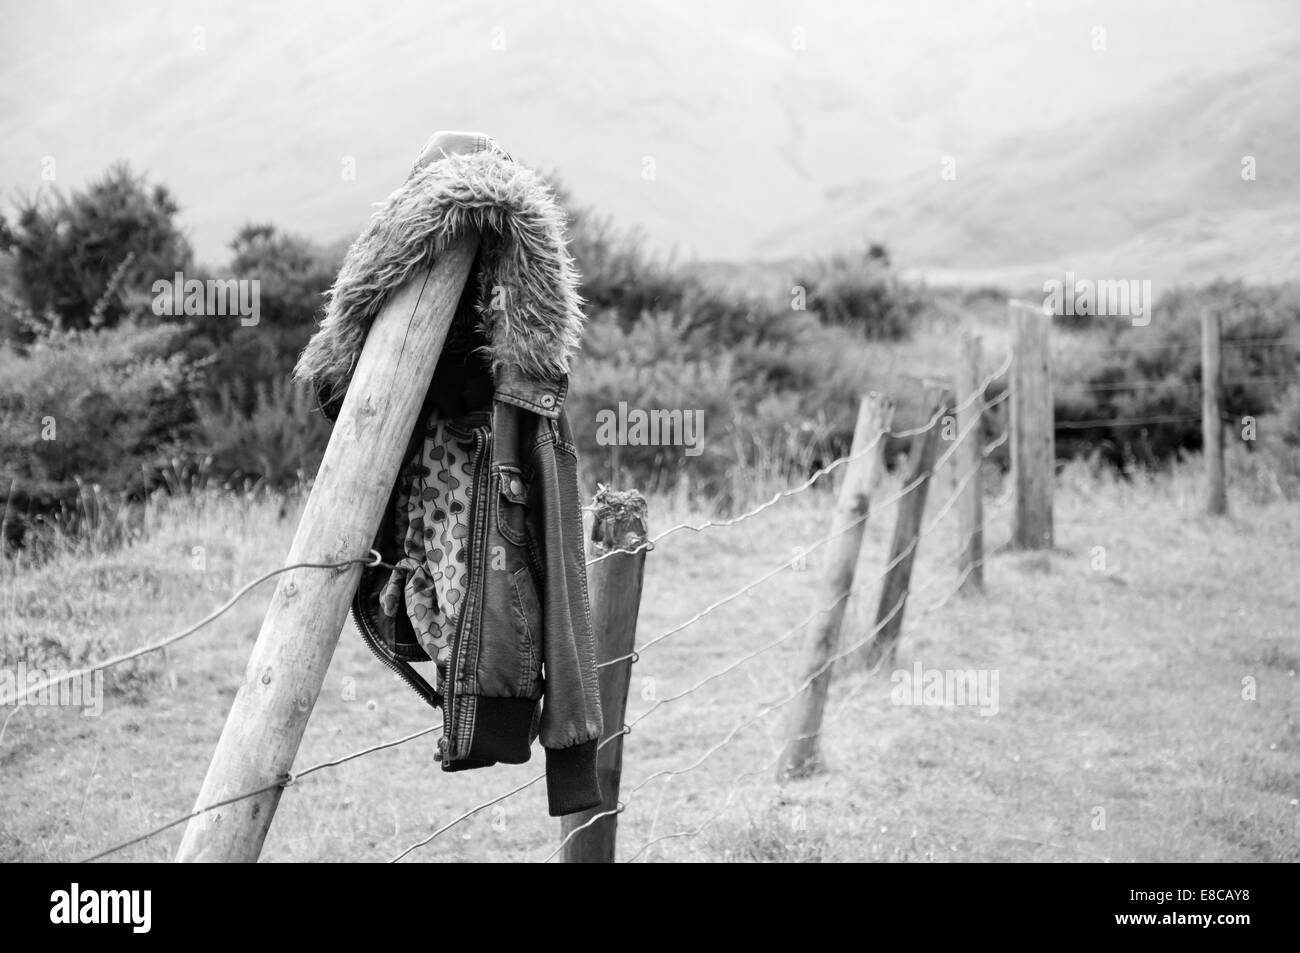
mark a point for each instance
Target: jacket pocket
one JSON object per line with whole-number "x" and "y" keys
{"x": 512, "y": 505}
{"x": 526, "y": 611}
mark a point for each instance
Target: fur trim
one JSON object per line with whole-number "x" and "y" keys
{"x": 523, "y": 264}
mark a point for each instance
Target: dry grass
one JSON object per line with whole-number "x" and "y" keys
{"x": 1120, "y": 692}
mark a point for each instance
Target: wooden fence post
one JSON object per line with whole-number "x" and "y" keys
{"x": 614, "y": 585}
{"x": 875, "y": 412}
{"x": 970, "y": 458}
{"x": 1033, "y": 428}
{"x": 1216, "y": 501}
{"x": 307, "y": 612}
{"x": 907, "y": 536}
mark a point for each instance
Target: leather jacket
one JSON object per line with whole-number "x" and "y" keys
{"x": 519, "y": 662}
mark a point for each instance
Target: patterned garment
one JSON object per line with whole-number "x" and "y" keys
{"x": 432, "y": 527}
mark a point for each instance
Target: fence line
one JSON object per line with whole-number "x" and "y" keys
{"x": 1109, "y": 387}
{"x": 818, "y": 474}
{"x": 840, "y": 711}
{"x": 1179, "y": 345}
{"x": 798, "y": 690}
{"x": 1101, "y": 422}
{"x": 374, "y": 559}
{"x": 959, "y": 485}
{"x": 730, "y": 667}
{"x": 893, "y": 498}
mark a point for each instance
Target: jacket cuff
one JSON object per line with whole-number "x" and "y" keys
{"x": 571, "y": 783}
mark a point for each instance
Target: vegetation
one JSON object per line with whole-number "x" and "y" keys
{"x": 96, "y": 390}
{"x": 78, "y": 258}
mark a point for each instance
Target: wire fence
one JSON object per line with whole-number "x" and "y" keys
{"x": 733, "y": 665}
{"x": 960, "y": 484}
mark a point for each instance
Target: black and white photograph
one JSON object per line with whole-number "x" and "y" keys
{"x": 662, "y": 432}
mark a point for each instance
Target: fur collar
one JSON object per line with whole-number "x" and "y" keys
{"x": 527, "y": 305}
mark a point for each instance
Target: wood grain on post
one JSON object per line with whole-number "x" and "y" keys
{"x": 614, "y": 585}
{"x": 970, "y": 458}
{"x": 862, "y": 474}
{"x": 1033, "y": 428}
{"x": 1216, "y": 499}
{"x": 309, "y": 607}
{"x": 907, "y": 536}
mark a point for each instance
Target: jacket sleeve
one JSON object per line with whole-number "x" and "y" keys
{"x": 571, "y": 722}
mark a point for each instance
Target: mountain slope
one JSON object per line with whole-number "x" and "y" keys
{"x": 770, "y": 128}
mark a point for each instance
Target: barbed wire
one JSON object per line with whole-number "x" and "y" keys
{"x": 839, "y": 656}
{"x": 371, "y": 560}
{"x": 625, "y": 730}
{"x": 468, "y": 814}
{"x": 1100, "y": 422}
{"x": 827, "y": 723}
{"x": 732, "y": 666}
{"x": 284, "y": 782}
{"x": 874, "y": 508}
{"x": 374, "y": 559}
{"x": 862, "y": 643}
{"x": 1123, "y": 386}
{"x": 292, "y": 778}
{"x": 978, "y": 391}
{"x": 735, "y": 731}
{"x": 1179, "y": 345}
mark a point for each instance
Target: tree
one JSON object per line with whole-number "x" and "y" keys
{"x": 292, "y": 275}
{"x": 78, "y": 256}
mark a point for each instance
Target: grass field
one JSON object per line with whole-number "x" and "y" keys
{"x": 1122, "y": 731}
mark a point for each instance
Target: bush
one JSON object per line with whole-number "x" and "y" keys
{"x": 278, "y": 441}
{"x": 1134, "y": 373}
{"x": 293, "y": 275}
{"x": 96, "y": 405}
{"x": 79, "y": 257}
{"x": 862, "y": 292}
{"x": 654, "y": 366}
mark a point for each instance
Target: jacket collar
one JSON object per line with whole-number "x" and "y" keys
{"x": 527, "y": 307}
{"x": 544, "y": 397}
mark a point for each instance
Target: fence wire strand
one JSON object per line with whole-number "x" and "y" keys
{"x": 175, "y": 637}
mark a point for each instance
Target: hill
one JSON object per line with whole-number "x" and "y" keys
{"x": 774, "y": 130}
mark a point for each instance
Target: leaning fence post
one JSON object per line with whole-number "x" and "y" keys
{"x": 307, "y": 612}
{"x": 1033, "y": 428}
{"x": 875, "y": 412}
{"x": 614, "y": 585}
{"x": 907, "y": 535}
{"x": 970, "y": 457}
{"x": 1216, "y": 498}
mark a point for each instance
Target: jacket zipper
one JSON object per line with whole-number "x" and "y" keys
{"x": 453, "y": 661}
{"x": 414, "y": 681}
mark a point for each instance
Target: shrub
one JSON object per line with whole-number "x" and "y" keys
{"x": 862, "y": 292}
{"x": 280, "y": 440}
{"x": 1133, "y": 373}
{"x": 293, "y": 275}
{"x": 80, "y": 255}
{"x": 93, "y": 404}
{"x": 653, "y": 366}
